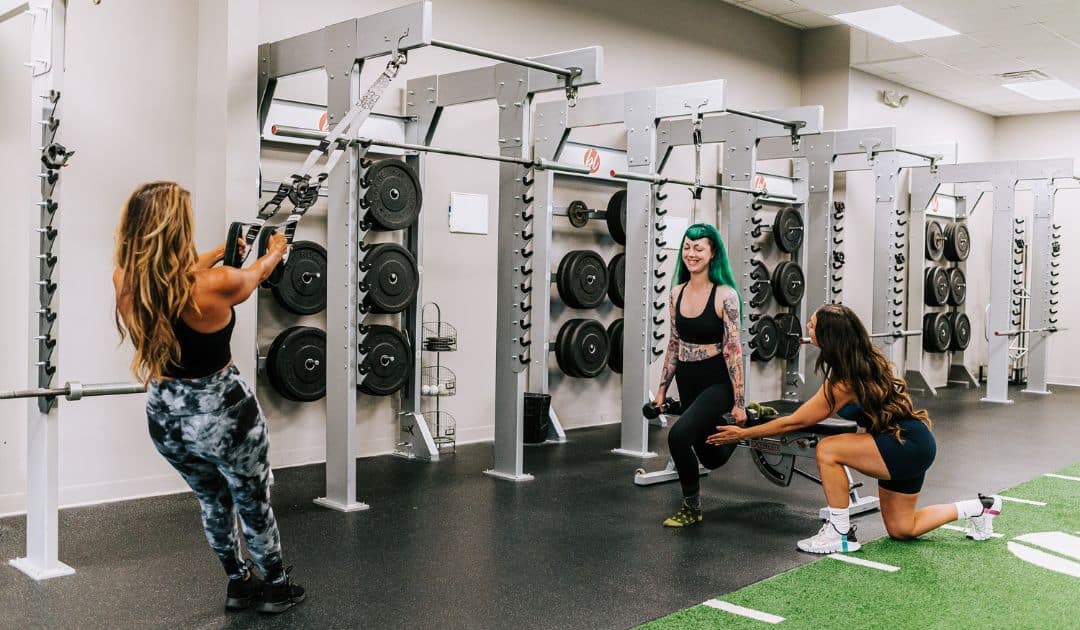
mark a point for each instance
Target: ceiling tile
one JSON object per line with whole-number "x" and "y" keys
{"x": 944, "y": 45}
{"x": 867, "y": 48}
{"x": 832, "y": 7}
{"x": 1016, "y": 34}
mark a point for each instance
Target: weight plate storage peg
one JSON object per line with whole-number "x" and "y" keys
{"x": 936, "y": 332}
{"x": 578, "y": 213}
{"x": 582, "y": 279}
{"x": 961, "y": 331}
{"x": 765, "y": 340}
{"x": 957, "y": 286}
{"x": 296, "y": 364}
{"x": 935, "y": 241}
{"x": 392, "y": 278}
{"x": 760, "y": 285}
{"x": 615, "y": 345}
{"x": 393, "y": 198}
{"x": 581, "y": 348}
{"x": 264, "y": 245}
{"x": 788, "y": 335}
{"x": 387, "y": 360}
{"x": 302, "y": 289}
{"x": 616, "y": 217}
{"x": 788, "y": 229}
{"x": 616, "y": 286}
{"x": 935, "y": 286}
{"x": 788, "y": 283}
{"x": 232, "y": 245}
{"x": 957, "y": 242}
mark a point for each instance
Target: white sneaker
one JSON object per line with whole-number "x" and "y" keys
{"x": 828, "y": 540}
{"x": 982, "y": 526}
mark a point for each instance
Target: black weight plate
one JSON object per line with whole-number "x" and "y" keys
{"x": 616, "y": 286}
{"x": 760, "y": 285}
{"x": 765, "y": 341}
{"x": 957, "y": 286}
{"x": 302, "y": 289}
{"x": 788, "y": 283}
{"x": 935, "y": 286}
{"x": 961, "y": 331}
{"x": 392, "y": 278}
{"x": 616, "y": 217}
{"x": 562, "y": 347}
{"x": 394, "y": 197}
{"x": 957, "y": 242}
{"x": 263, "y": 245}
{"x": 788, "y": 229}
{"x": 296, "y": 364}
{"x": 232, "y": 245}
{"x": 936, "y": 332}
{"x": 578, "y": 213}
{"x": 788, "y": 333}
{"x": 387, "y": 363}
{"x": 582, "y": 279}
{"x": 615, "y": 345}
{"x": 935, "y": 241}
{"x": 589, "y": 348}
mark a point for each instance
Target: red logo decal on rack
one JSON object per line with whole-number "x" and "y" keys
{"x": 324, "y": 123}
{"x": 759, "y": 183}
{"x": 592, "y": 160}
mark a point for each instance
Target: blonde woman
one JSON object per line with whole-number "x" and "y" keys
{"x": 177, "y": 309}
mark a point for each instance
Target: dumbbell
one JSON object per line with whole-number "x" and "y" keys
{"x": 671, "y": 407}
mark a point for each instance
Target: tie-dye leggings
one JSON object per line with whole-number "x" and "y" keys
{"x": 212, "y": 432}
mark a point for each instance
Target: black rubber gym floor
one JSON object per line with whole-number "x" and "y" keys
{"x": 444, "y": 546}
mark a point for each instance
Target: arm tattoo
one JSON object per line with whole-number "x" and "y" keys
{"x": 733, "y": 347}
{"x": 671, "y": 357}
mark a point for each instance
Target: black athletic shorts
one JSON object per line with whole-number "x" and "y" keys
{"x": 908, "y": 461}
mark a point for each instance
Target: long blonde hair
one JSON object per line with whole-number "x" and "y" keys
{"x": 155, "y": 251}
{"x": 848, "y": 356}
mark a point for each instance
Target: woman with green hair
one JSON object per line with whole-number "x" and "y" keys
{"x": 704, "y": 357}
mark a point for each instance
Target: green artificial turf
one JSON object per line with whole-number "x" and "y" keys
{"x": 945, "y": 580}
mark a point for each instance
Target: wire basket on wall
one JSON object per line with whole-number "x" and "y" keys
{"x": 439, "y": 336}
{"x": 437, "y": 380}
{"x": 443, "y": 428}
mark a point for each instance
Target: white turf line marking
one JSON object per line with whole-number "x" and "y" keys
{"x": 743, "y": 612}
{"x": 1026, "y": 501}
{"x": 1066, "y": 477}
{"x": 961, "y": 529}
{"x": 864, "y": 563}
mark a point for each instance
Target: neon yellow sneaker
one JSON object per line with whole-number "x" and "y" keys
{"x": 685, "y": 517}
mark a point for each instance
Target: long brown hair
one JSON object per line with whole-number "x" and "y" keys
{"x": 155, "y": 251}
{"x": 849, "y": 358}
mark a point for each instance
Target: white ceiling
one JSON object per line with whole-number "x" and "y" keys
{"x": 996, "y": 36}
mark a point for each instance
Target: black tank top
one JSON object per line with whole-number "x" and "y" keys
{"x": 201, "y": 354}
{"x": 705, "y": 328}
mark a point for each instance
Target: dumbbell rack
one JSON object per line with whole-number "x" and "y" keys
{"x": 439, "y": 337}
{"x": 1003, "y": 178}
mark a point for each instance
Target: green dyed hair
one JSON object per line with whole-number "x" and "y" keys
{"x": 719, "y": 267}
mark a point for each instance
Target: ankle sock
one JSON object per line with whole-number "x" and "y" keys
{"x": 970, "y": 508}
{"x": 840, "y": 519}
{"x": 693, "y": 501}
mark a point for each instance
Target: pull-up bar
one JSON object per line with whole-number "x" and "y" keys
{"x": 1013, "y": 333}
{"x": 568, "y": 73}
{"x": 656, "y": 179}
{"x": 540, "y": 164}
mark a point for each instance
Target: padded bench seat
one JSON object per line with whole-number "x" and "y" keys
{"x": 828, "y": 426}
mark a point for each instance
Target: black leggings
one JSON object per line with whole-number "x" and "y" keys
{"x": 706, "y": 394}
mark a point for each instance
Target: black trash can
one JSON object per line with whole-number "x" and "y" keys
{"x": 536, "y": 418}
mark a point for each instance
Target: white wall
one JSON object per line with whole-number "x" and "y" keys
{"x": 137, "y": 120}
{"x": 1051, "y": 136}
{"x": 926, "y": 120}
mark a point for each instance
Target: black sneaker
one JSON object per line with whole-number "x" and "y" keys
{"x": 242, "y": 593}
{"x": 277, "y": 598}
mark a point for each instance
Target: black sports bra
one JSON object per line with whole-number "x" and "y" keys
{"x": 201, "y": 354}
{"x": 707, "y": 328}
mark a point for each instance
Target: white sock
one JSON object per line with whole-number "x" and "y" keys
{"x": 969, "y": 508}
{"x": 841, "y": 519}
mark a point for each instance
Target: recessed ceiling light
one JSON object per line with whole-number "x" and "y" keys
{"x": 1049, "y": 90}
{"x": 896, "y": 23}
